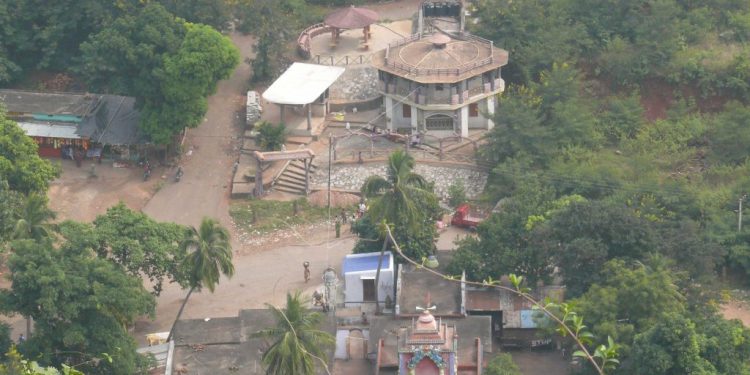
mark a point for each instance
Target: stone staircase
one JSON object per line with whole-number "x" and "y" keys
{"x": 292, "y": 180}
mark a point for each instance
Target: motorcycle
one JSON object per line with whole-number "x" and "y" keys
{"x": 178, "y": 175}
{"x": 146, "y": 174}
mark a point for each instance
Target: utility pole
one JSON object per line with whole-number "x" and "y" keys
{"x": 330, "y": 157}
{"x": 739, "y": 216}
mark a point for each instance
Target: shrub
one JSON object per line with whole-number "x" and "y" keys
{"x": 270, "y": 137}
{"x": 456, "y": 194}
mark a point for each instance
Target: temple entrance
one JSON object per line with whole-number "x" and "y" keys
{"x": 368, "y": 290}
{"x": 439, "y": 122}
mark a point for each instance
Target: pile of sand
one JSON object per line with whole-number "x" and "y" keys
{"x": 338, "y": 199}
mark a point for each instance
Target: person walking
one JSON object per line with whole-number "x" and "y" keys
{"x": 306, "y": 265}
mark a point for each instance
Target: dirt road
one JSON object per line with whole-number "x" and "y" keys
{"x": 209, "y": 154}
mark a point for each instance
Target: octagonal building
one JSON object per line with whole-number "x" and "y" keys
{"x": 440, "y": 80}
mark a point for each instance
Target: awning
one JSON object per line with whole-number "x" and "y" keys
{"x": 302, "y": 83}
{"x": 49, "y": 131}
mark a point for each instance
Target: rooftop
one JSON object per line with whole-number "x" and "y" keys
{"x": 366, "y": 262}
{"x": 440, "y": 58}
{"x": 223, "y": 346}
{"x": 107, "y": 119}
{"x": 302, "y": 83}
{"x": 28, "y": 102}
{"x": 445, "y": 294}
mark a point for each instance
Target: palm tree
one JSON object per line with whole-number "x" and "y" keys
{"x": 395, "y": 195}
{"x": 395, "y": 198}
{"x": 210, "y": 256}
{"x": 296, "y": 340}
{"x": 34, "y": 221}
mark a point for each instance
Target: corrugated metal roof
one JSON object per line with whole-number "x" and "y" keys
{"x": 49, "y": 130}
{"x": 302, "y": 83}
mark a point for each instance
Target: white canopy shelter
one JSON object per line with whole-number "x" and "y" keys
{"x": 303, "y": 85}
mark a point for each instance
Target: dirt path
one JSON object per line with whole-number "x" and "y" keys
{"x": 209, "y": 154}
{"x": 737, "y": 310}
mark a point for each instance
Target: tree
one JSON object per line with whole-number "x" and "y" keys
{"x": 630, "y": 299}
{"x": 169, "y": 65}
{"x": 395, "y": 195}
{"x": 588, "y": 234}
{"x": 33, "y": 222}
{"x": 80, "y": 303}
{"x": 20, "y": 165}
{"x": 296, "y": 342}
{"x": 214, "y": 13}
{"x": 126, "y": 56}
{"x": 670, "y": 347}
{"x": 502, "y": 364}
{"x": 209, "y": 256}
{"x": 11, "y": 204}
{"x": 188, "y": 76}
{"x": 135, "y": 242}
{"x": 403, "y": 199}
{"x": 730, "y": 134}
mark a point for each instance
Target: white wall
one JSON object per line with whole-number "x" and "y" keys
{"x": 353, "y": 293}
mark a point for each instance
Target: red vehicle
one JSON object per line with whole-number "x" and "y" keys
{"x": 466, "y": 217}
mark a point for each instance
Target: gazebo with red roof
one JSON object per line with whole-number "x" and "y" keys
{"x": 351, "y": 18}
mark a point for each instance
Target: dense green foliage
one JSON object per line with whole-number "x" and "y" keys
{"x": 80, "y": 304}
{"x": 297, "y": 345}
{"x": 627, "y": 197}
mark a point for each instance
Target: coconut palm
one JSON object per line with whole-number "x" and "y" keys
{"x": 209, "y": 256}
{"x": 395, "y": 195}
{"x": 296, "y": 343}
{"x": 34, "y": 222}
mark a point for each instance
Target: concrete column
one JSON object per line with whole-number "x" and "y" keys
{"x": 309, "y": 116}
{"x": 414, "y": 117}
{"x": 281, "y": 113}
{"x": 464, "y": 121}
{"x": 490, "y": 112}
{"x": 389, "y": 113}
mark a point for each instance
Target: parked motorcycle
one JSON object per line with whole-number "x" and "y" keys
{"x": 178, "y": 175}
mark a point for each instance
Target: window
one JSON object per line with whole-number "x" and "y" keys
{"x": 474, "y": 110}
{"x": 439, "y": 87}
{"x": 406, "y": 110}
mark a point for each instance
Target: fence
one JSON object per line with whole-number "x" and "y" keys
{"x": 341, "y": 60}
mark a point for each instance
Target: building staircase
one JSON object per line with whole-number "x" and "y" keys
{"x": 292, "y": 179}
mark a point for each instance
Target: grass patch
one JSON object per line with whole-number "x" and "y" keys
{"x": 272, "y": 215}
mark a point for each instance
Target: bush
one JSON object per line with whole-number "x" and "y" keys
{"x": 270, "y": 137}
{"x": 456, "y": 194}
{"x": 502, "y": 365}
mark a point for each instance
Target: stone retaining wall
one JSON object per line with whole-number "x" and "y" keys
{"x": 351, "y": 177}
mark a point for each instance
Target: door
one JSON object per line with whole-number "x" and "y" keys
{"x": 368, "y": 290}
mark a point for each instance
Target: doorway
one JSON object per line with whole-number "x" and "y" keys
{"x": 368, "y": 290}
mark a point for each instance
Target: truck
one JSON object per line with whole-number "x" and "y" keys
{"x": 467, "y": 216}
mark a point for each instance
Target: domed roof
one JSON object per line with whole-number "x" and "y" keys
{"x": 440, "y": 57}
